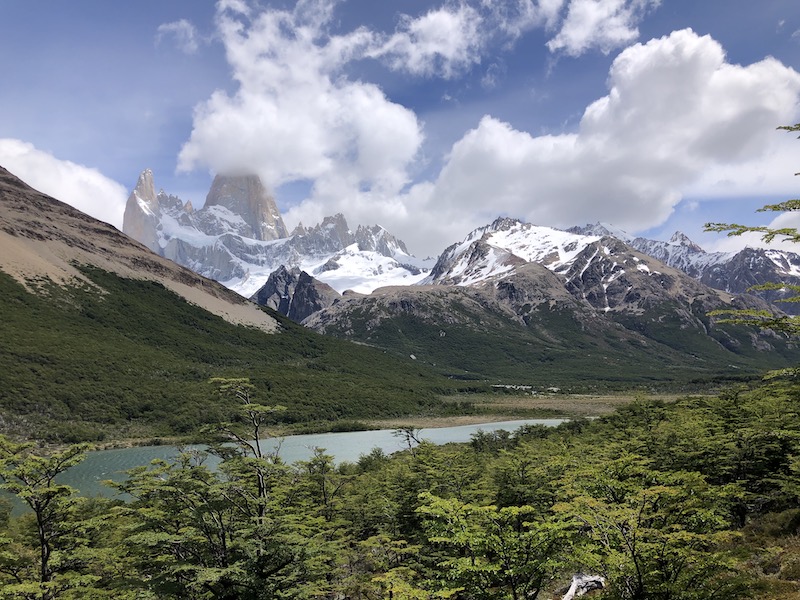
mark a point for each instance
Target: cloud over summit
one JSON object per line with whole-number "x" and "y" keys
{"x": 674, "y": 109}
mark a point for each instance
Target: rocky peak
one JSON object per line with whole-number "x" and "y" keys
{"x": 245, "y": 195}
{"x": 377, "y": 239}
{"x": 504, "y": 224}
{"x": 146, "y": 189}
{"x": 681, "y": 239}
{"x": 335, "y": 227}
{"x": 169, "y": 202}
{"x": 294, "y": 293}
{"x": 142, "y": 213}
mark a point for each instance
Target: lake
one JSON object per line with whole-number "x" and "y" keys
{"x": 101, "y": 465}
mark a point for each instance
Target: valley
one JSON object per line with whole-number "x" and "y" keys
{"x": 103, "y": 340}
{"x": 671, "y": 436}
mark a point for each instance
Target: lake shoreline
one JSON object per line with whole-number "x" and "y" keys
{"x": 489, "y": 408}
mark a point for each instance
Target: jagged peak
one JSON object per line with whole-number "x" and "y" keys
{"x": 681, "y": 239}
{"x": 602, "y": 229}
{"x": 146, "y": 188}
{"x": 336, "y": 220}
{"x": 503, "y": 223}
{"x": 246, "y": 196}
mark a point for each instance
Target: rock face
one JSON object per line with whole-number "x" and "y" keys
{"x": 141, "y": 212}
{"x": 295, "y": 294}
{"x": 246, "y": 197}
{"x": 239, "y": 237}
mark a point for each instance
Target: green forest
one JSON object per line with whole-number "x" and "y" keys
{"x": 686, "y": 500}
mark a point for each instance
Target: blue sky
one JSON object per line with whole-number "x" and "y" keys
{"x": 430, "y": 118}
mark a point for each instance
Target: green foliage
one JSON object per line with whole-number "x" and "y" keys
{"x": 651, "y": 534}
{"x": 508, "y": 552}
{"x": 551, "y": 348}
{"x": 128, "y": 358}
{"x": 45, "y": 553}
{"x": 686, "y": 500}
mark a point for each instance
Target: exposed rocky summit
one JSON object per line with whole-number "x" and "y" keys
{"x": 295, "y": 294}
{"x": 246, "y": 197}
{"x": 238, "y": 238}
{"x": 733, "y": 272}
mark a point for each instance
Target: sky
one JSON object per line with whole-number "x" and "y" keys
{"x": 428, "y": 118}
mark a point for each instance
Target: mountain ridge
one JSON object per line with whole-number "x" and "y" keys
{"x": 48, "y": 241}
{"x": 733, "y": 272}
{"x": 220, "y": 244}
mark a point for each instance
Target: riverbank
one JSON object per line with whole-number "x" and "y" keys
{"x": 488, "y": 408}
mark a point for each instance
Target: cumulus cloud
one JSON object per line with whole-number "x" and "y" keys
{"x": 675, "y": 112}
{"x": 602, "y": 24}
{"x": 445, "y": 41}
{"x": 677, "y": 119}
{"x": 183, "y": 32}
{"x": 296, "y": 115}
{"x": 85, "y": 188}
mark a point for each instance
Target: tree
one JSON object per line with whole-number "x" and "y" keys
{"x": 509, "y": 552}
{"x": 651, "y": 534}
{"x": 763, "y": 318}
{"x": 49, "y": 562}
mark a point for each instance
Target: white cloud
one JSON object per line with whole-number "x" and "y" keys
{"x": 578, "y": 26}
{"x": 184, "y": 33}
{"x": 602, "y": 24}
{"x": 296, "y": 115}
{"x": 445, "y": 41}
{"x": 675, "y": 111}
{"x": 82, "y": 187}
{"x": 678, "y": 119}
{"x": 515, "y": 17}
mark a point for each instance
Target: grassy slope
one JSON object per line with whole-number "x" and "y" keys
{"x": 136, "y": 361}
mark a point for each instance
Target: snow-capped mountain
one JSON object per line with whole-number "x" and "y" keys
{"x": 513, "y": 293}
{"x": 238, "y": 238}
{"x": 733, "y": 272}
{"x": 596, "y": 267}
{"x": 496, "y": 249}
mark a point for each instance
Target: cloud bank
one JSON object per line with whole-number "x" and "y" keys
{"x": 676, "y": 118}
{"x": 82, "y": 187}
{"x": 676, "y": 113}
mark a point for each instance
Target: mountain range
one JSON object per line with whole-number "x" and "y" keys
{"x": 633, "y": 304}
{"x": 238, "y": 238}
{"x": 104, "y": 335}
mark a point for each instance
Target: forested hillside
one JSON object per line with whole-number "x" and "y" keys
{"x": 124, "y": 357}
{"x": 697, "y": 499}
